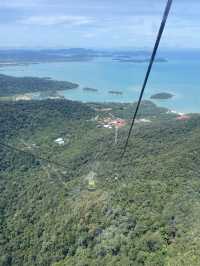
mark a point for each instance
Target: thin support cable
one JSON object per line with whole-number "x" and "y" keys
{"x": 159, "y": 36}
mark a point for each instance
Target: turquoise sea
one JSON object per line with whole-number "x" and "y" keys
{"x": 179, "y": 76}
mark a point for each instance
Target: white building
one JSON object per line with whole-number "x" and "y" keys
{"x": 143, "y": 120}
{"x": 59, "y": 141}
{"x": 107, "y": 126}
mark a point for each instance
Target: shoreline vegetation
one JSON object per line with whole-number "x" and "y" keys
{"x": 162, "y": 96}
{"x": 10, "y": 86}
{"x": 54, "y": 95}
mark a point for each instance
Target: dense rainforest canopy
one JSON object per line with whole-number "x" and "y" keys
{"x": 143, "y": 211}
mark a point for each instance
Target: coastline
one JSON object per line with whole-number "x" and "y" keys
{"x": 36, "y": 96}
{"x": 106, "y": 75}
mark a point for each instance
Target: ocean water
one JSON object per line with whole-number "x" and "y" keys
{"x": 179, "y": 76}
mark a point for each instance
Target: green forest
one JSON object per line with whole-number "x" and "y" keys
{"x": 10, "y": 85}
{"x": 143, "y": 210}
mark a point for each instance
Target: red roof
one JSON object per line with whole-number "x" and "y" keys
{"x": 119, "y": 123}
{"x": 183, "y": 117}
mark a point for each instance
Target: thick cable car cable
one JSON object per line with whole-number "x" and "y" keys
{"x": 159, "y": 36}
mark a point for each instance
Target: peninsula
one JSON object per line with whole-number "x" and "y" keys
{"x": 10, "y": 85}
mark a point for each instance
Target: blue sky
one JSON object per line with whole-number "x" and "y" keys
{"x": 97, "y": 23}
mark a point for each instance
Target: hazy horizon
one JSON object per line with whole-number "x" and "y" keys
{"x": 145, "y": 49}
{"x": 93, "y": 24}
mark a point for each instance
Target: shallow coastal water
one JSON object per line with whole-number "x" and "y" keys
{"x": 179, "y": 77}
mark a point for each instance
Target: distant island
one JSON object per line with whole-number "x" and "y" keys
{"x": 162, "y": 96}
{"x": 116, "y": 92}
{"x": 14, "y": 57}
{"x": 90, "y": 89}
{"x": 138, "y": 60}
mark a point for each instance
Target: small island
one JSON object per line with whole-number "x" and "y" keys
{"x": 162, "y": 96}
{"x": 116, "y": 92}
{"x": 90, "y": 89}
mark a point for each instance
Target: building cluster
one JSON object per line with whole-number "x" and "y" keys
{"x": 24, "y": 97}
{"x": 183, "y": 117}
{"x": 109, "y": 122}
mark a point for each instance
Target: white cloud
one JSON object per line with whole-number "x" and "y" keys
{"x": 56, "y": 20}
{"x": 105, "y": 22}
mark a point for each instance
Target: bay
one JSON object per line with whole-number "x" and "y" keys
{"x": 179, "y": 76}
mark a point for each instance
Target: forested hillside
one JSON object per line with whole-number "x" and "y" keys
{"x": 144, "y": 210}
{"x": 10, "y": 85}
